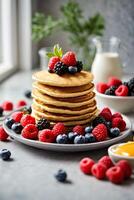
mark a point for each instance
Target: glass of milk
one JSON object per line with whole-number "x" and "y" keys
{"x": 107, "y": 61}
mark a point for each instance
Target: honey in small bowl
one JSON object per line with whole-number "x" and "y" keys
{"x": 126, "y": 149}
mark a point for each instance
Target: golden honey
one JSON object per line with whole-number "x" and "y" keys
{"x": 126, "y": 149}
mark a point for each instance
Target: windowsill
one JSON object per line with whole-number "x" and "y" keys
{"x": 6, "y": 71}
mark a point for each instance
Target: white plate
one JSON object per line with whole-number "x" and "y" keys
{"x": 70, "y": 147}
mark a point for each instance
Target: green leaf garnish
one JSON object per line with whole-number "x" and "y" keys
{"x": 57, "y": 51}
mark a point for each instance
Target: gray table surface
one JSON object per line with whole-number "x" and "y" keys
{"x": 30, "y": 173}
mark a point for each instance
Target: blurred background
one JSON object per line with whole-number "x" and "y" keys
{"x": 27, "y": 26}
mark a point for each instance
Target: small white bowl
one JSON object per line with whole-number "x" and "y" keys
{"x": 115, "y": 157}
{"x": 120, "y": 104}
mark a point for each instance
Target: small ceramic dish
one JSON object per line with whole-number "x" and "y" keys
{"x": 115, "y": 157}
{"x": 120, "y": 104}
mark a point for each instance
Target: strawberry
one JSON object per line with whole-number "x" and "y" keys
{"x": 52, "y": 62}
{"x": 69, "y": 58}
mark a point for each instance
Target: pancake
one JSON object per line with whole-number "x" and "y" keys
{"x": 63, "y": 92}
{"x": 61, "y": 117}
{"x": 72, "y": 111}
{"x": 70, "y": 123}
{"x": 67, "y": 80}
{"x": 54, "y": 101}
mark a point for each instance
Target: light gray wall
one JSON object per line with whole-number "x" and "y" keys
{"x": 119, "y": 16}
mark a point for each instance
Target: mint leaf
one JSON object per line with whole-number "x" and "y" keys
{"x": 50, "y": 54}
{"x": 57, "y": 51}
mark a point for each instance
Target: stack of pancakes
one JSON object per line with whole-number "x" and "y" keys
{"x": 69, "y": 98}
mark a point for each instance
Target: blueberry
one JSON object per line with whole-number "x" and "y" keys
{"x": 9, "y": 122}
{"x": 80, "y": 139}
{"x": 89, "y": 138}
{"x": 17, "y": 128}
{"x": 62, "y": 139}
{"x": 72, "y": 70}
{"x": 5, "y": 154}
{"x": 114, "y": 132}
{"x": 1, "y": 111}
{"x": 71, "y": 136}
{"x": 28, "y": 94}
{"x": 88, "y": 129}
{"x": 61, "y": 175}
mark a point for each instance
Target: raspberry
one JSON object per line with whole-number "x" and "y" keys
{"x": 59, "y": 128}
{"x": 126, "y": 168}
{"x": 99, "y": 170}
{"x": 122, "y": 90}
{"x": 79, "y": 130}
{"x": 106, "y": 160}
{"x": 7, "y": 105}
{"x": 119, "y": 123}
{"x": 106, "y": 114}
{"x": 46, "y": 136}
{"x": 69, "y": 58}
{"x": 30, "y": 131}
{"x": 113, "y": 81}
{"x": 102, "y": 87}
{"x": 16, "y": 116}
{"x": 100, "y": 132}
{"x": 86, "y": 164}
{"x": 21, "y": 103}
{"x": 3, "y": 134}
{"x": 115, "y": 175}
{"x": 27, "y": 119}
{"x": 117, "y": 114}
{"x": 52, "y": 63}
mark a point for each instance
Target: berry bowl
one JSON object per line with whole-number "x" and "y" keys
{"x": 123, "y": 104}
{"x": 116, "y": 157}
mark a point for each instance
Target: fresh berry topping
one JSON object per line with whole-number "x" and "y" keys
{"x": 80, "y": 139}
{"x": 17, "y": 128}
{"x": 60, "y": 68}
{"x": 79, "y": 130}
{"x": 69, "y": 58}
{"x": 122, "y": 90}
{"x": 72, "y": 70}
{"x": 99, "y": 170}
{"x": 79, "y": 66}
{"x": 115, "y": 175}
{"x": 131, "y": 84}
{"x": 1, "y": 111}
{"x": 100, "y": 132}
{"x": 109, "y": 125}
{"x": 106, "y": 160}
{"x": 3, "y": 134}
{"x": 27, "y": 119}
{"x": 59, "y": 128}
{"x": 86, "y": 165}
{"x": 5, "y": 154}
{"x": 117, "y": 114}
{"x": 88, "y": 129}
{"x": 114, "y": 132}
{"x": 30, "y": 131}
{"x": 61, "y": 175}
{"x": 111, "y": 91}
{"x": 46, "y": 135}
{"x": 99, "y": 120}
{"x": 43, "y": 124}
{"x": 71, "y": 136}
{"x": 102, "y": 87}
{"x": 7, "y": 105}
{"x": 27, "y": 94}
{"x": 113, "y": 81}
{"x": 16, "y": 116}
{"x": 106, "y": 114}
{"x": 21, "y": 103}
{"x": 89, "y": 138}
{"x": 9, "y": 122}
{"x": 119, "y": 123}
{"x": 27, "y": 110}
{"x": 62, "y": 139}
{"x": 125, "y": 167}
{"x": 52, "y": 63}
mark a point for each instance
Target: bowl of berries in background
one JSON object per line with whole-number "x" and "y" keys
{"x": 116, "y": 94}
